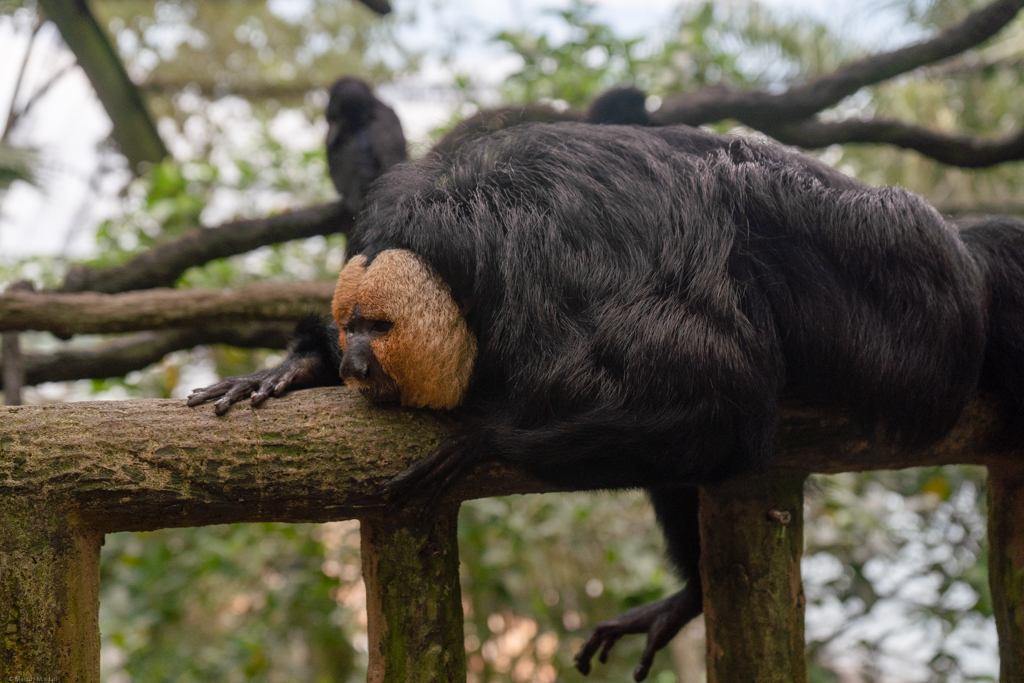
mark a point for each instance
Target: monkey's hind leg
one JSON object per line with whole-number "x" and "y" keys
{"x": 676, "y": 508}
{"x": 432, "y": 476}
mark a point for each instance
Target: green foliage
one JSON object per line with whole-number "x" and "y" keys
{"x": 16, "y": 163}
{"x": 9, "y": 6}
{"x": 539, "y": 571}
{"x": 901, "y": 551}
{"x": 256, "y": 49}
{"x": 161, "y": 205}
{"x": 594, "y": 58}
{"x": 935, "y": 14}
{"x": 170, "y": 199}
{"x": 707, "y": 44}
{"x": 258, "y": 602}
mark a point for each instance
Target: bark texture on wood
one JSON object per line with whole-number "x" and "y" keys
{"x": 313, "y": 456}
{"x": 1006, "y": 566}
{"x": 49, "y": 592}
{"x": 413, "y": 597}
{"x": 320, "y": 455}
{"x": 150, "y": 464}
{"x": 751, "y": 532}
{"x": 158, "y": 309}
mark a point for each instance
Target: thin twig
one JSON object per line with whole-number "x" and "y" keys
{"x": 12, "y": 112}
{"x": 38, "y": 94}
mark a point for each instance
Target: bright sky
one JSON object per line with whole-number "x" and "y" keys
{"x": 59, "y": 217}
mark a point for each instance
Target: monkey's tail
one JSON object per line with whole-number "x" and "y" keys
{"x": 997, "y": 245}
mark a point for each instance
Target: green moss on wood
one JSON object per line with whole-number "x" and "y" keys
{"x": 411, "y": 568}
{"x": 1006, "y": 567}
{"x": 49, "y": 585}
{"x": 751, "y": 541}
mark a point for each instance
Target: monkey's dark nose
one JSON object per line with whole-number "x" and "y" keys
{"x": 355, "y": 366}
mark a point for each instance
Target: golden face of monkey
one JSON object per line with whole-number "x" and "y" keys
{"x": 402, "y": 335}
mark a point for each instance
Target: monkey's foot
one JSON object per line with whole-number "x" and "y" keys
{"x": 660, "y": 620}
{"x": 296, "y": 373}
{"x": 433, "y": 475}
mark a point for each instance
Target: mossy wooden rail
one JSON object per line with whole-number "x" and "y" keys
{"x": 70, "y": 473}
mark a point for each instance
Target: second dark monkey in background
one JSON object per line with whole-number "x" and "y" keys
{"x": 364, "y": 139}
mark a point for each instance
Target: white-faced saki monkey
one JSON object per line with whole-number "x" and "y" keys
{"x": 620, "y": 306}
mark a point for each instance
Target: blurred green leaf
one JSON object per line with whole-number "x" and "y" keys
{"x": 17, "y": 163}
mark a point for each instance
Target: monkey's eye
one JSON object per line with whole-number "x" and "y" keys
{"x": 361, "y": 325}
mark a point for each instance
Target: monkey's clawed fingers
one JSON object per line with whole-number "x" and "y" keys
{"x": 275, "y": 384}
{"x": 660, "y": 620}
{"x": 227, "y": 393}
{"x": 257, "y": 386}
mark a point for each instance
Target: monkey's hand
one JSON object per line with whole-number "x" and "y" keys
{"x": 296, "y": 372}
{"x": 660, "y": 620}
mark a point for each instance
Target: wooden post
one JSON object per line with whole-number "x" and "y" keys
{"x": 49, "y": 593}
{"x": 1006, "y": 566}
{"x": 10, "y": 354}
{"x": 751, "y": 539}
{"x": 413, "y": 597}
{"x": 14, "y": 369}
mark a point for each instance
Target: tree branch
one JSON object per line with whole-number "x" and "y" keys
{"x": 955, "y": 150}
{"x": 163, "y": 265}
{"x": 757, "y": 108}
{"x": 38, "y": 94}
{"x": 12, "y": 111}
{"x": 320, "y": 455}
{"x": 91, "y": 313}
{"x": 134, "y": 130}
{"x": 138, "y": 351}
{"x": 490, "y": 120}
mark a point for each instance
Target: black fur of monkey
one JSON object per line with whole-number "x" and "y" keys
{"x": 364, "y": 139}
{"x": 624, "y": 105}
{"x": 637, "y": 300}
{"x": 489, "y": 121}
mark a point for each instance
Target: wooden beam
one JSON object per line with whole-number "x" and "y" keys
{"x": 322, "y": 454}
